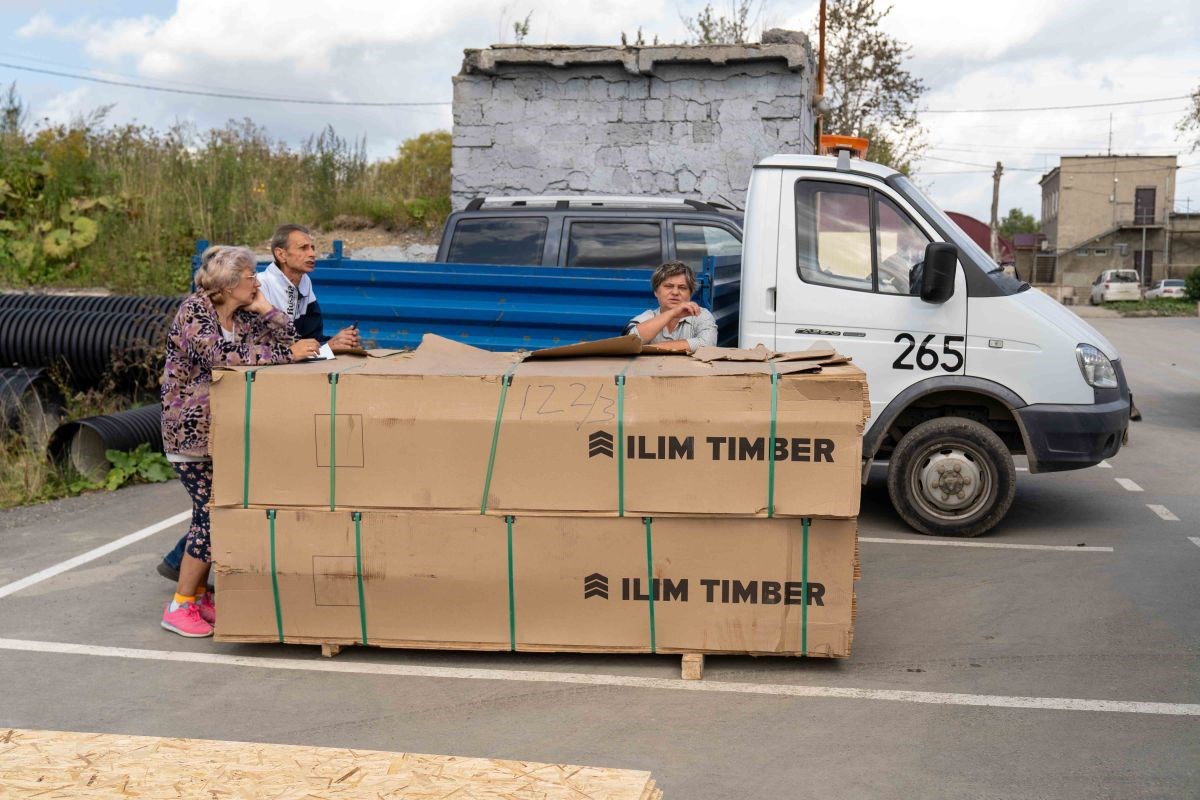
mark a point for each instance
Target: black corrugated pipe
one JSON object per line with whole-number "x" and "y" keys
{"x": 89, "y": 344}
{"x": 84, "y": 441}
{"x": 109, "y": 304}
{"x": 30, "y": 403}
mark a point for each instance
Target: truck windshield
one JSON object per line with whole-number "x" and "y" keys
{"x": 966, "y": 245}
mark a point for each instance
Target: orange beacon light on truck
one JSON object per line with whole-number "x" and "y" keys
{"x": 832, "y": 144}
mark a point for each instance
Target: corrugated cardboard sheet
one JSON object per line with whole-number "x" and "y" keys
{"x": 539, "y": 583}
{"x": 454, "y": 428}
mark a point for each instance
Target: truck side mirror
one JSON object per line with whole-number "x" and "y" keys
{"x": 937, "y": 278}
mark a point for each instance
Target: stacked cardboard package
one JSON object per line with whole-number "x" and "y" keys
{"x": 585, "y": 499}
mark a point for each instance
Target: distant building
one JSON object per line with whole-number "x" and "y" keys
{"x": 981, "y": 233}
{"x": 1106, "y": 212}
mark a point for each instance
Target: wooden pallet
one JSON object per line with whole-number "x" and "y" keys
{"x": 692, "y": 665}
{"x": 54, "y": 764}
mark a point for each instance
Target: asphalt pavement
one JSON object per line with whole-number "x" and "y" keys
{"x": 1056, "y": 657}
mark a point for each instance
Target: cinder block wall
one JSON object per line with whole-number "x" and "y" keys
{"x": 678, "y": 121}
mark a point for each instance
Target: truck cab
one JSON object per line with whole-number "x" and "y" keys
{"x": 966, "y": 365}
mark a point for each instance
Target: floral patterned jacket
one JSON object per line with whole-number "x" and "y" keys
{"x": 194, "y": 346}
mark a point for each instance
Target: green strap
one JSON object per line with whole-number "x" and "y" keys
{"x": 620, "y": 379}
{"x": 275, "y": 577}
{"x": 650, "y": 579}
{"x": 771, "y": 444}
{"x": 333, "y": 383}
{"x": 804, "y": 590}
{"x": 246, "y": 443}
{"x": 505, "y": 382}
{"x": 362, "y": 606}
{"x": 512, "y": 600}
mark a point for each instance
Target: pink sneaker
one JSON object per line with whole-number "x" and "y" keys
{"x": 186, "y": 621}
{"x": 208, "y": 608}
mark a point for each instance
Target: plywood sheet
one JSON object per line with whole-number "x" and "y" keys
{"x": 55, "y": 764}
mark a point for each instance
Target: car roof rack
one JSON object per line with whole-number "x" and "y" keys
{"x": 563, "y": 202}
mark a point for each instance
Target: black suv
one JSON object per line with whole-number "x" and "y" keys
{"x": 589, "y": 231}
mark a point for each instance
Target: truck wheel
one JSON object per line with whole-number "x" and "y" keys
{"x": 951, "y": 477}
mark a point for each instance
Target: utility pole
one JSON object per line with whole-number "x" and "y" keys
{"x": 996, "y": 211}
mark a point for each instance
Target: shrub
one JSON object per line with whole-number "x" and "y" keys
{"x": 1191, "y": 285}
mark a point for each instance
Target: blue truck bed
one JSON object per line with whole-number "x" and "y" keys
{"x": 500, "y": 307}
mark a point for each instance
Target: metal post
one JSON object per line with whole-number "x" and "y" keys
{"x": 1142, "y": 260}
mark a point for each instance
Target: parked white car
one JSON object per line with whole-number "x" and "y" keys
{"x": 1172, "y": 287}
{"x": 1116, "y": 284}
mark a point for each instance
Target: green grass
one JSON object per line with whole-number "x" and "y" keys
{"x": 88, "y": 205}
{"x": 1166, "y": 307}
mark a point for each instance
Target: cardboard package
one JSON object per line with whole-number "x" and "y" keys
{"x": 536, "y": 583}
{"x": 454, "y": 428}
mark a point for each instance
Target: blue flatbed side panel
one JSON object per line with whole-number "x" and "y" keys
{"x": 501, "y": 307}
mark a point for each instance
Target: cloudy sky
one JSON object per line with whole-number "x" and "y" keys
{"x": 1019, "y": 54}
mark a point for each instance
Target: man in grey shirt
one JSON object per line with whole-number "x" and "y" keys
{"x": 677, "y": 323}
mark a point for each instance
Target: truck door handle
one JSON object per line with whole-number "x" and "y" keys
{"x": 827, "y": 332}
{"x": 771, "y": 299}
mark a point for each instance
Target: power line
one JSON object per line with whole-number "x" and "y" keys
{"x": 223, "y": 95}
{"x": 114, "y": 75}
{"x": 1051, "y": 108}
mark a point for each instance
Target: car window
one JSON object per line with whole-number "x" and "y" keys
{"x": 614, "y": 244}
{"x": 498, "y": 240}
{"x": 900, "y": 247}
{"x": 694, "y": 242}
{"x": 833, "y": 235}
{"x": 1172, "y": 282}
{"x": 1124, "y": 276}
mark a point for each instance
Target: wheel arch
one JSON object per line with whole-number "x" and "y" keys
{"x": 944, "y": 392}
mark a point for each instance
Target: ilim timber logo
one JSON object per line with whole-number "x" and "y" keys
{"x": 595, "y": 585}
{"x": 714, "y": 448}
{"x": 600, "y": 443}
{"x": 719, "y": 591}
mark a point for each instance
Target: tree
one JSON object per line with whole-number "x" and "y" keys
{"x": 869, "y": 92}
{"x": 1190, "y": 124}
{"x": 1017, "y": 221}
{"x": 709, "y": 27}
{"x": 13, "y": 113}
{"x": 422, "y": 166}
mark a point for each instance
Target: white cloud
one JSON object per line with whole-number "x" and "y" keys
{"x": 970, "y": 55}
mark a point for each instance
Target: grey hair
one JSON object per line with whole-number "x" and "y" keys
{"x": 221, "y": 268}
{"x": 670, "y": 270}
{"x": 280, "y": 237}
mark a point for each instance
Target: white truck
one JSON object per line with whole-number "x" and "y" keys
{"x": 966, "y": 365}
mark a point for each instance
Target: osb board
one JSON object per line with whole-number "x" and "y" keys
{"x": 55, "y": 764}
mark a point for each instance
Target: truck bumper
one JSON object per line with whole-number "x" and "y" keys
{"x": 1062, "y": 437}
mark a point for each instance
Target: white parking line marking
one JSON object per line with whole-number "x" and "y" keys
{"x": 1104, "y": 465}
{"x": 1128, "y": 485}
{"x": 346, "y": 666}
{"x": 1163, "y": 512}
{"x": 92, "y": 555}
{"x": 996, "y": 545}
{"x": 1194, "y": 540}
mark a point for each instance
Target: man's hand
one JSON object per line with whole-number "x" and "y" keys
{"x": 345, "y": 339}
{"x": 305, "y": 348}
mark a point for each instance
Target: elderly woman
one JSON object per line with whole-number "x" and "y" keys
{"x": 228, "y": 322}
{"x": 677, "y": 323}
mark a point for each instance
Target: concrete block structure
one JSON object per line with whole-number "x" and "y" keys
{"x": 665, "y": 120}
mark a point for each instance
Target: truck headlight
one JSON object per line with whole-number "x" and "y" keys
{"x": 1096, "y": 368}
